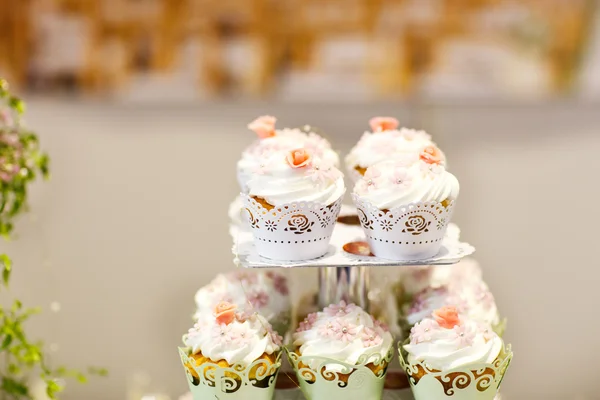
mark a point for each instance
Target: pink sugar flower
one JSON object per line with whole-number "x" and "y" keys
{"x": 263, "y": 126}
{"x": 245, "y": 315}
{"x": 298, "y": 158}
{"x": 370, "y": 337}
{"x": 329, "y": 330}
{"x": 323, "y": 171}
{"x": 225, "y": 312}
{"x": 381, "y": 124}
{"x": 308, "y": 322}
{"x": 431, "y": 155}
{"x": 280, "y": 284}
{"x": 242, "y": 337}
{"x": 258, "y": 299}
{"x": 447, "y": 317}
{"x": 345, "y": 331}
{"x": 339, "y": 310}
{"x": 224, "y": 334}
{"x": 372, "y": 173}
{"x": 312, "y": 318}
{"x": 370, "y": 177}
{"x": 401, "y": 178}
{"x": 487, "y": 332}
{"x": 304, "y": 326}
{"x": 422, "y": 331}
{"x": 464, "y": 336}
{"x": 275, "y": 337}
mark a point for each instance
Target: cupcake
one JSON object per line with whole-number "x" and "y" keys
{"x": 266, "y": 292}
{"x": 385, "y": 142}
{"x": 473, "y": 300}
{"x": 234, "y": 354}
{"x": 272, "y": 140}
{"x": 292, "y": 204}
{"x": 341, "y": 351}
{"x": 416, "y": 278}
{"x": 405, "y": 205}
{"x": 449, "y": 355}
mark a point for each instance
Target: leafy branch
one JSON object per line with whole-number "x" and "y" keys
{"x": 21, "y": 161}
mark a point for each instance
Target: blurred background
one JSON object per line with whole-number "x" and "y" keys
{"x": 142, "y": 105}
{"x": 154, "y": 50}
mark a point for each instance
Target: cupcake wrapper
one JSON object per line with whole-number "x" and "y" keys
{"x": 211, "y": 381}
{"x": 326, "y": 378}
{"x": 407, "y": 233}
{"x": 472, "y": 382}
{"x": 294, "y": 231}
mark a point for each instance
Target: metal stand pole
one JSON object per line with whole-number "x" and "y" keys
{"x": 350, "y": 284}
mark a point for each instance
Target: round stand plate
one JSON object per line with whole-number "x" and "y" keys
{"x": 347, "y": 248}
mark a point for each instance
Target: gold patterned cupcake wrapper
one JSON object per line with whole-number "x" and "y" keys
{"x": 472, "y": 382}
{"x": 210, "y": 380}
{"x": 326, "y": 378}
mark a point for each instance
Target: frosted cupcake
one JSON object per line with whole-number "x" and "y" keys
{"x": 267, "y": 293}
{"x": 449, "y": 356}
{"x": 416, "y": 278}
{"x": 272, "y": 140}
{"x": 385, "y": 142}
{"x": 474, "y": 300}
{"x": 341, "y": 351}
{"x": 235, "y": 354}
{"x": 292, "y": 204}
{"x": 405, "y": 205}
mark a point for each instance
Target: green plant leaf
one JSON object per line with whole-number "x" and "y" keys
{"x": 21, "y": 358}
{"x": 6, "y": 342}
{"x": 52, "y": 388}
{"x": 14, "y": 387}
{"x": 17, "y": 104}
{"x": 6, "y": 268}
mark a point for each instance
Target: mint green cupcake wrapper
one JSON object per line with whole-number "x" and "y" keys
{"x": 471, "y": 382}
{"x": 211, "y": 381}
{"x": 326, "y": 378}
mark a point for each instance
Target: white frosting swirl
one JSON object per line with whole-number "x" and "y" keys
{"x": 343, "y": 333}
{"x": 374, "y": 147}
{"x": 266, "y": 292}
{"x": 278, "y": 183}
{"x": 284, "y": 140}
{"x": 443, "y": 348}
{"x": 243, "y": 341}
{"x": 473, "y": 300}
{"x": 407, "y": 180}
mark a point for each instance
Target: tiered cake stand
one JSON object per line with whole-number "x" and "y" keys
{"x": 344, "y": 274}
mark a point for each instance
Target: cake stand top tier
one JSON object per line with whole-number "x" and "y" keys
{"x": 346, "y": 248}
